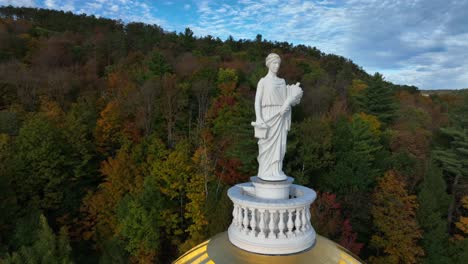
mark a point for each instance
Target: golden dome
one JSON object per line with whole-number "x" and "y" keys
{"x": 219, "y": 250}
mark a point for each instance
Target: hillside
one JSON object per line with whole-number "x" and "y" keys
{"x": 118, "y": 143}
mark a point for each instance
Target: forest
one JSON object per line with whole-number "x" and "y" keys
{"x": 118, "y": 142}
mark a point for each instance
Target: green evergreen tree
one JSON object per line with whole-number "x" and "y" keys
{"x": 354, "y": 174}
{"x": 157, "y": 65}
{"x": 45, "y": 247}
{"x": 433, "y": 202}
{"x": 309, "y": 151}
{"x": 454, "y": 157}
{"x": 378, "y": 99}
{"x": 355, "y": 149}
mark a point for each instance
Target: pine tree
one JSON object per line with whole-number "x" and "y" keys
{"x": 354, "y": 174}
{"x": 356, "y": 147}
{"x": 378, "y": 99}
{"x": 454, "y": 158}
{"x": 394, "y": 217}
{"x": 157, "y": 65}
{"x": 433, "y": 203}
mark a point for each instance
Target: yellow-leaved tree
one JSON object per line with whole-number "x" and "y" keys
{"x": 394, "y": 214}
{"x": 196, "y": 194}
{"x": 462, "y": 223}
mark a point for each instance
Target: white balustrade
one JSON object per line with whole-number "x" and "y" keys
{"x": 271, "y": 226}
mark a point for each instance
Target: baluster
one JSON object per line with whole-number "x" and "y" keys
{"x": 253, "y": 223}
{"x": 262, "y": 223}
{"x": 308, "y": 217}
{"x": 304, "y": 220}
{"x": 290, "y": 223}
{"x": 298, "y": 221}
{"x": 234, "y": 215}
{"x": 281, "y": 225}
{"x": 246, "y": 220}
{"x": 239, "y": 217}
{"x": 271, "y": 225}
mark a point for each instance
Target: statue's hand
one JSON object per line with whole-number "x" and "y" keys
{"x": 285, "y": 108}
{"x": 261, "y": 123}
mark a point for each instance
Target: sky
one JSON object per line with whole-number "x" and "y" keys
{"x": 414, "y": 42}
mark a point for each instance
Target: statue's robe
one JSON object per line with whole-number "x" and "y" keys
{"x": 273, "y": 147}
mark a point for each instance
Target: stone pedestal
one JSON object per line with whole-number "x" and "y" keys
{"x": 271, "y": 217}
{"x": 271, "y": 189}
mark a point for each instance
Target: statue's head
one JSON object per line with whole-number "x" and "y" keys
{"x": 273, "y": 62}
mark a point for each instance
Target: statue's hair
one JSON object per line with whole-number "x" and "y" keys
{"x": 271, "y": 57}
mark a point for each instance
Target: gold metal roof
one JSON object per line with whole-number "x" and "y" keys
{"x": 219, "y": 250}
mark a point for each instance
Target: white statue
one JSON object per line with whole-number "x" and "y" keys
{"x": 273, "y": 102}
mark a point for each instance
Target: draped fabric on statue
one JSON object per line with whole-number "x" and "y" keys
{"x": 273, "y": 147}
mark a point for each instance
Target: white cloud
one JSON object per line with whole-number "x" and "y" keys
{"x": 68, "y": 6}
{"x": 292, "y": 21}
{"x": 422, "y": 43}
{"x": 411, "y": 42}
{"x": 93, "y": 7}
{"x": 114, "y": 8}
{"x": 50, "y": 3}
{"x": 187, "y": 6}
{"x": 26, "y": 3}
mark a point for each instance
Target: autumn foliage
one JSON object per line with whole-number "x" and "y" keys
{"x": 119, "y": 141}
{"x": 394, "y": 214}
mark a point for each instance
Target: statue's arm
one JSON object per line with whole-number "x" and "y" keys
{"x": 286, "y": 107}
{"x": 291, "y": 99}
{"x": 258, "y": 103}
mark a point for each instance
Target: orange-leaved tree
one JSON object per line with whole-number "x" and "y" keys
{"x": 122, "y": 175}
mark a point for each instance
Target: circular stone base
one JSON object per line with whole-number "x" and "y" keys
{"x": 271, "y": 226}
{"x": 273, "y": 190}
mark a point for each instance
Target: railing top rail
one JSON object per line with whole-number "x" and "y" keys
{"x": 242, "y": 194}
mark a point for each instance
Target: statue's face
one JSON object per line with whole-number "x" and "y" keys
{"x": 274, "y": 66}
